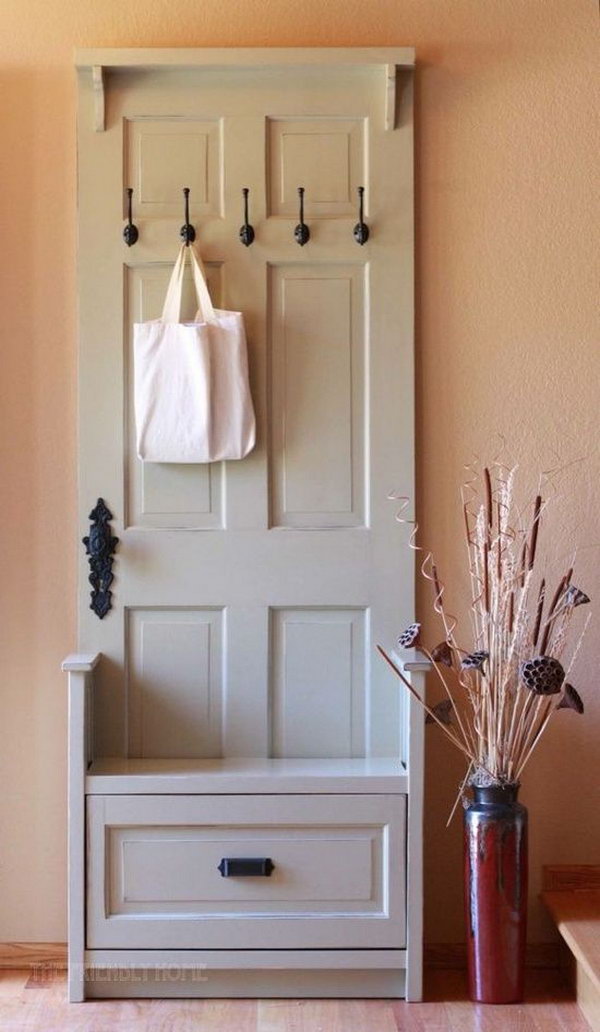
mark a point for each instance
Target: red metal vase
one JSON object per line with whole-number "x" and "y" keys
{"x": 495, "y": 843}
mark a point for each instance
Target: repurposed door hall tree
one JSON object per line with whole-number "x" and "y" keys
{"x": 245, "y": 779}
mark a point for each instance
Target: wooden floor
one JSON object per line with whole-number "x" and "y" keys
{"x": 30, "y": 1003}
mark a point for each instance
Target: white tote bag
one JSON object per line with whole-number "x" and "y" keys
{"x": 192, "y": 396}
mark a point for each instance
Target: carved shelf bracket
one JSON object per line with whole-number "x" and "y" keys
{"x": 391, "y": 76}
{"x": 100, "y": 546}
{"x": 98, "y": 85}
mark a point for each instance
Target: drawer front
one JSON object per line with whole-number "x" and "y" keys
{"x": 337, "y": 878}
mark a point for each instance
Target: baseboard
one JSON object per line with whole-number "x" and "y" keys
{"x": 565, "y": 877}
{"x": 436, "y": 955}
{"x": 454, "y": 955}
{"x": 556, "y": 877}
{"x": 33, "y": 955}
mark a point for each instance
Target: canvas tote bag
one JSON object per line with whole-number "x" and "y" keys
{"x": 192, "y": 396}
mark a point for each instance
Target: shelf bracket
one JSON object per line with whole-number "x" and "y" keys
{"x": 391, "y": 75}
{"x": 98, "y": 88}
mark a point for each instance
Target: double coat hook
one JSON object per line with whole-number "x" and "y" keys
{"x": 301, "y": 232}
{"x": 130, "y": 232}
{"x": 247, "y": 231}
{"x": 361, "y": 230}
{"x": 187, "y": 232}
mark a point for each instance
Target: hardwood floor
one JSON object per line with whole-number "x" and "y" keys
{"x": 31, "y": 1003}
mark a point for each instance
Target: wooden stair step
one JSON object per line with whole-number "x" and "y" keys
{"x": 576, "y": 913}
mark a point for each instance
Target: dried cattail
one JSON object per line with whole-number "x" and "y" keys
{"x": 540, "y": 610}
{"x": 543, "y": 675}
{"x": 575, "y": 597}
{"x": 488, "y": 502}
{"x": 571, "y": 699}
{"x": 486, "y": 576}
{"x": 537, "y": 509}
{"x": 524, "y": 562}
{"x": 475, "y": 660}
{"x": 499, "y": 547}
{"x": 443, "y": 711}
{"x": 409, "y": 639}
{"x": 442, "y": 653}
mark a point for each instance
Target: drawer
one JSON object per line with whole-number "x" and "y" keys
{"x": 338, "y": 877}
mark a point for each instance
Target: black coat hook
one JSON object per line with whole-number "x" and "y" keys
{"x": 361, "y": 230}
{"x": 247, "y": 231}
{"x": 301, "y": 232}
{"x": 187, "y": 232}
{"x": 130, "y": 232}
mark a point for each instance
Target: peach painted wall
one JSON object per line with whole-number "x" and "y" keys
{"x": 506, "y": 324}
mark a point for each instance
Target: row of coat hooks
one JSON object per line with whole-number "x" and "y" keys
{"x": 188, "y": 233}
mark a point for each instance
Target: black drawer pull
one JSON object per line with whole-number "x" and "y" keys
{"x": 245, "y": 866}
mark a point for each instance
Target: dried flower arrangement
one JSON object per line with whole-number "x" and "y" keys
{"x": 502, "y": 691}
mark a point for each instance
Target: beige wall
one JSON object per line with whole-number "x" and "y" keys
{"x": 505, "y": 169}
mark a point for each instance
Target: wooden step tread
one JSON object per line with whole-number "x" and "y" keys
{"x": 577, "y": 916}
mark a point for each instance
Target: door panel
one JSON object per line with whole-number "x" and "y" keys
{"x": 316, "y": 316}
{"x": 302, "y": 525}
{"x": 175, "y": 682}
{"x": 317, "y": 682}
{"x": 326, "y": 155}
{"x": 162, "y": 153}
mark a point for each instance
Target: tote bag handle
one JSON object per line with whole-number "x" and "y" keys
{"x": 172, "y": 308}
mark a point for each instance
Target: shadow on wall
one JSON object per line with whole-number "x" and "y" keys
{"x": 37, "y": 515}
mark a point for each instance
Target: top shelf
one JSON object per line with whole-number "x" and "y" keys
{"x": 120, "y": 776}
{"x": 242, "y": 57}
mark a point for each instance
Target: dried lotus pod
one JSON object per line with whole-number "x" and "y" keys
{"x": 443, "y": 711}
{"x": 409, "y": 639}
{"x": 543, "y": 675}
{"x": 571, "y": 699}
{"x": 575, "y": 597}
{"x": 442, "y": 653}
{"x": 475, "y": 660}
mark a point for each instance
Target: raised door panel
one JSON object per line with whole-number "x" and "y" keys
{"x": 317, "y": 682}
{"x": 176, "y": 870}
{"x": 318, "y": 394}
{"x": 164, "y": 155}
{"x": 175, "y": 682}
{"x": 154, "y": 881}
{"x": 326, "y": 156}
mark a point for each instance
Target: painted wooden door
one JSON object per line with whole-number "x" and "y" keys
{"x": 248, "y": 594}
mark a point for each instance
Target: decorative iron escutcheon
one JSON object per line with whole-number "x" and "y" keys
{"x": 246, "y": 866}
{"x": 100, "y": 546}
